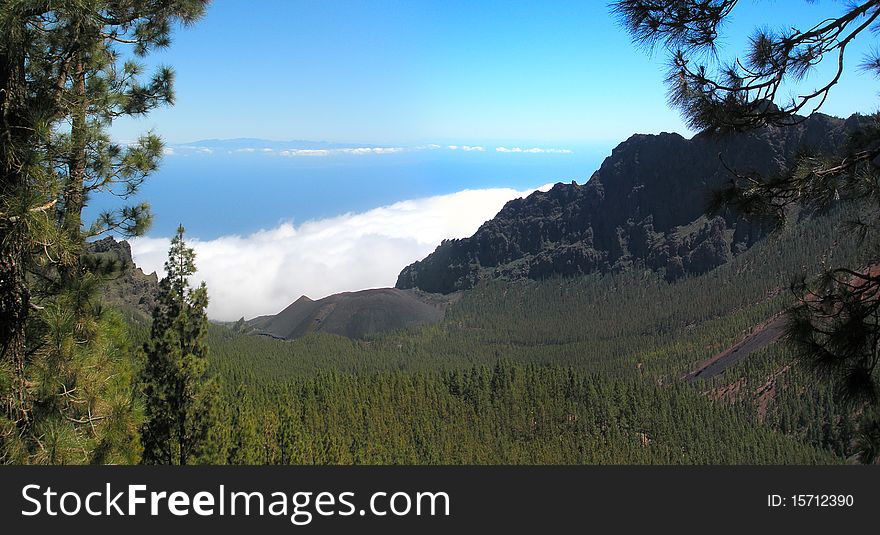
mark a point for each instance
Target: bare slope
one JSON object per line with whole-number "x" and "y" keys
{"x": 760, "y": 337}
{"x": 354, "y": 314}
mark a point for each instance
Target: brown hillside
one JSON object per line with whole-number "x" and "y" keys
{"x": 760, "y": 337}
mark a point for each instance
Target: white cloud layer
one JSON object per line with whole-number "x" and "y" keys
{"x": 466, "y": 148}
{"x": 264, "y": 272}
{"x": 305, "y": 152}
{"x": 185, "y": 150}
{"x": 357, "y": 151}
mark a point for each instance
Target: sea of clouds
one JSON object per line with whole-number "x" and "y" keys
{"x": 263, "y": 272}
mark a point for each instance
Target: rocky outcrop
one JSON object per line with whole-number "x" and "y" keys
{"x": 126, "y": 287}
{"x": 644, "y": 207}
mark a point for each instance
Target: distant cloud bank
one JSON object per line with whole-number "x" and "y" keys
{"x": 289, "y": 152}
{"x": 328, "y": 152}
{"x": 265, "y": 271}
{"x": 466, "y": 148}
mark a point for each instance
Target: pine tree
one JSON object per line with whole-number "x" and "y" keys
{"x": 179, "y": 396}
{"x": 836, "y": 324}
{"x": 244, "y": 446}
{"x": 62, "y": 83}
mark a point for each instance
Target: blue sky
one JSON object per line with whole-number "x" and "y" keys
{"x": 419, "y": 71}
{"x": 398, "y": 88}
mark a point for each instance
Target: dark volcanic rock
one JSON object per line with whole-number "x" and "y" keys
{"x": 645, "y": 206}
{"x": 353, "y": 314}
{"x": 129, "y": 288}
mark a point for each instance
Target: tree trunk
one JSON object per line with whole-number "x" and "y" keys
{"x": 14, "y": 294}
{"x": 14, "y": 308}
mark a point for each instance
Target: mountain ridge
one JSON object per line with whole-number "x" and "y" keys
{"x": 644, "y": 207}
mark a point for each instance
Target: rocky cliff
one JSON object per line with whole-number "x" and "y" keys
{"x": 644, "y": 207}
{"x": 128, "y": 288}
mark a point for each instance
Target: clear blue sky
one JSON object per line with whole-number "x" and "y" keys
{"x": 418, "y": 71}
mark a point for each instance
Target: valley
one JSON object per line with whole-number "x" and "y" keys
{"x": 412, "y": 234}
{"x": 622, "y": 359}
